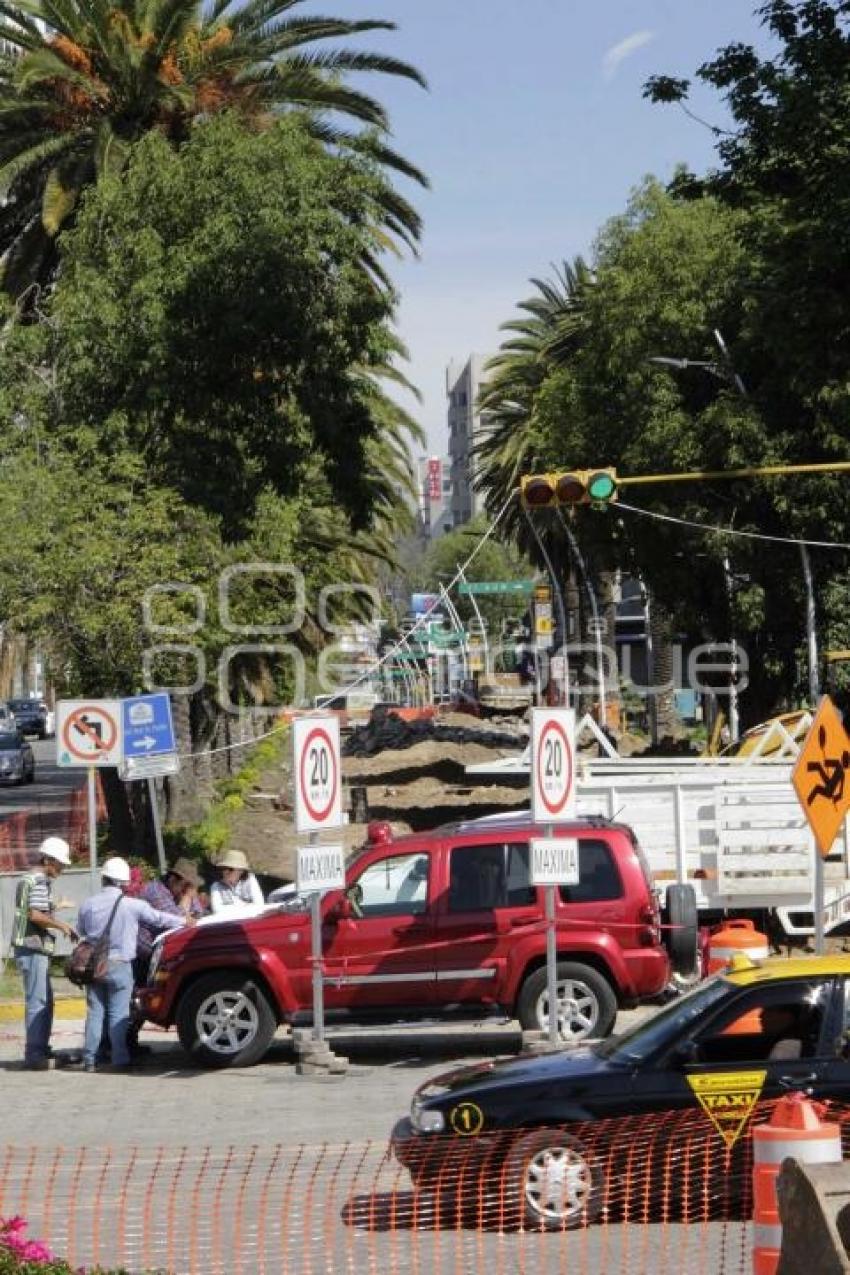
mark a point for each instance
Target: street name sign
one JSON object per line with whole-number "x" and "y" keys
{"x": 553, "y": 795}
{"x": 148, "y": 728}
{"x": 88, "y": 732}
{"x": 320, "y": 868}
{"x": 317, "y": 773}
{"x": 554, "y": 861}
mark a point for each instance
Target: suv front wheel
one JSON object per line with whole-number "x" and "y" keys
{"x": 225, "y": 1020}
{"x": 586, "y": 1005}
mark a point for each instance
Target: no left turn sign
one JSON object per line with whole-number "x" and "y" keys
{"x": 88, "y": 732}
{"x": 552, "y": 764}
{"x": 316, "y": 768}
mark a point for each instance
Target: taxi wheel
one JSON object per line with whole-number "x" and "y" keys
{"x": 587, "y": 1006}
{"x": 224, "y": 1020}
{"x": 552, "y": 1182}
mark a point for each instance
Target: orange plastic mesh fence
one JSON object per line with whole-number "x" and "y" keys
{"x": 658, "y": 1194}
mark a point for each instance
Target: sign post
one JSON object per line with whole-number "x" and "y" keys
{"x": 89, "y": 734}
{"x": 150, "y": 750}
{"x": 820, "y": 781}
{"x": 318, "y": 804}
{"x": 554, "y": 861}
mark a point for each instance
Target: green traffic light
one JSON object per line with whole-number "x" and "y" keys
{"x": 601, "y": 487}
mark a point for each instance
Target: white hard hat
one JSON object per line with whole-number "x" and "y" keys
{"x": 55, "y": 848}
{"x": 117, "y": 870}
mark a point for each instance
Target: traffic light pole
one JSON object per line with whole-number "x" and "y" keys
{"x": 748, "y": 471}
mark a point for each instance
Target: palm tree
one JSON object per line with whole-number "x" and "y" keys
{"x": 543, "y": 338}
{"x": 81, "y": 81}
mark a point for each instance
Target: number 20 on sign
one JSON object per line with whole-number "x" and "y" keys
{"x": 552, "y": 764}
{"x": 316, "y": 774}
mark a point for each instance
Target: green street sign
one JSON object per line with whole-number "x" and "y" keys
{"x": 483, "y": 587}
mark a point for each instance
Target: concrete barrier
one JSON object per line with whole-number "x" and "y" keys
{"x": 814, "y": 1208}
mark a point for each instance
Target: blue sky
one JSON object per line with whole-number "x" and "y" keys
{"x": 533, "y": 133}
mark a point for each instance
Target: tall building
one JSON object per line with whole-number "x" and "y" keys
{"x": 435, "y": 489}
{"x": 466, "y": 428}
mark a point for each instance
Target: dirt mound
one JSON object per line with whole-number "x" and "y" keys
{"x": 386, "y": 732}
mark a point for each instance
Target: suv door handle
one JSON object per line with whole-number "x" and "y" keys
{"x": 417, "y": 931}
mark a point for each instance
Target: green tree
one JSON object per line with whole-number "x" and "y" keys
{"x": 81, "y": 83}
{"x": 214, "y": 315}
{"x": 495, "y": 560}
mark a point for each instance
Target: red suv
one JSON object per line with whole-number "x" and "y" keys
{"x": 438, "y": 923}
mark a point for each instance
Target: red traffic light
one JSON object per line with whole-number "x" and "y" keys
{"x": 538, "y": 491}
{"x": 572, "y": 488}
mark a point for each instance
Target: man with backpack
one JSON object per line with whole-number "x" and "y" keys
{"x": 33, "y": 943}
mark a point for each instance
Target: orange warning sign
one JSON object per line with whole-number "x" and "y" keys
{"x": 821, "y": 776}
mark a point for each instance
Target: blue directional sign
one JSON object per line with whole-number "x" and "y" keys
{"x": 148, "y": 729}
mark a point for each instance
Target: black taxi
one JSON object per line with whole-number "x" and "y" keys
{"x": 753, "y": 1032}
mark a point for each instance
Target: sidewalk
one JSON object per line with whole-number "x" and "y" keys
{"x": 69, "y": 1003}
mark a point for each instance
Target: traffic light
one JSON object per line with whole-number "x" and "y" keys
{"x": 573, "y": 487}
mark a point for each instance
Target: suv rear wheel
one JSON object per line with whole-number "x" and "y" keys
{"x": 586, "y": 1006}
{"x": 225, "y": 1020}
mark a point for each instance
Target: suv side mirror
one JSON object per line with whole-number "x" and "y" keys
{"x": 343, "y": 910}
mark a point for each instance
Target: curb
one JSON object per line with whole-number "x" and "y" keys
{"x": 71, "y": 1007}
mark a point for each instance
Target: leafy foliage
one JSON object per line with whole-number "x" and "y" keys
{"x": 81, "y": 83}
{"x": 213, "y": 307}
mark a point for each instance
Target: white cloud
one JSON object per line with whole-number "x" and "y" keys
{"x": 618, "y": 53}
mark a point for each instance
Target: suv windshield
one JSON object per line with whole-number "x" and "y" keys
{"x": 9, "y": 742}
{"x": 648, "y": 1037}
{"x": 25, "y": 706}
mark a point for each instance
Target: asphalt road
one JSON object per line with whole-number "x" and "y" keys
{"x": 261, "y": 1170}
{"x": 51, "y": 790}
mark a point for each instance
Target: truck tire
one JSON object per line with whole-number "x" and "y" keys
{"x": 552, "y": 1182}
{"x": 587, "y": 1003}
{"x": 225, "y": 1020}
{"x": 683, "y": 939}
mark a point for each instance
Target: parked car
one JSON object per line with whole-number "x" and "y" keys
{"x": 30, "y": 716}
{"x": 17, "y": 763}
{"x": 439, "y": 923}
{"x": 525, "y": 1126}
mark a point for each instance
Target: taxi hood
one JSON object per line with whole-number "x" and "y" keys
{"x": 576, "y": 1064}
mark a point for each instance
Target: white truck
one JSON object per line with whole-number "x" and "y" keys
{"x": 732, "y": 828}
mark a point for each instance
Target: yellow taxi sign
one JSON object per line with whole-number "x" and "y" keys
{"x": 820, "y": 776}
{"x": 728, "y": 1099}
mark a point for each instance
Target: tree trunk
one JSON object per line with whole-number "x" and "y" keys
{"x": 122, "y": 838}
{"x": 663, "y": 714}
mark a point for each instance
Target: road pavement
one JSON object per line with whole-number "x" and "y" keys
{"x": 52, "y": 787}
{"x": 260, "y": 1170}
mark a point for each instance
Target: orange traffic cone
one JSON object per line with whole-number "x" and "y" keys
{"x": 795, "y": 1129}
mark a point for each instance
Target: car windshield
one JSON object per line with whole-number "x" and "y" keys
{"x": 661, "y": 1029}
{"x": 9, "y": 742}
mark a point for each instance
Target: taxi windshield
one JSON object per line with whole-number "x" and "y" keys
{"x": 661, "y": 1029}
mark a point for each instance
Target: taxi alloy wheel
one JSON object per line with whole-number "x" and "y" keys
{"x": 225, "y": 1021}
{"x": 553, "y": 1182}
{"x": 586, "y": 1006}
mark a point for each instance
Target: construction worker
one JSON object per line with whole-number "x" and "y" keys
{"x": 33, "y": 943}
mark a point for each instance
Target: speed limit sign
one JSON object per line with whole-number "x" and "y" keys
{"x": 552, "y": 764}
{"x": 316, "y": 771}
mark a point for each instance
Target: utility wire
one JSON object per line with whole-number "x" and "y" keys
{"x": 730, "y": 531}
{"x": 388, "y": 655}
